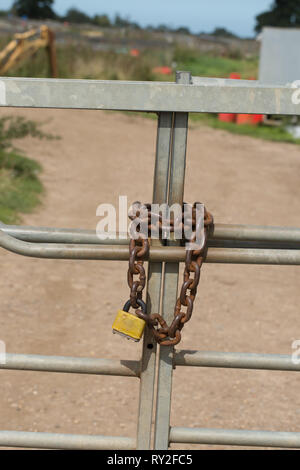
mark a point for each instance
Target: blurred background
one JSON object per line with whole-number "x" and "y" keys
{"x": 135, "y": 40}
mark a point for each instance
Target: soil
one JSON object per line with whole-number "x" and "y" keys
{"x": 57, "y": 307}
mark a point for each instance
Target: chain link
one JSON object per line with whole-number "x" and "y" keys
{"x": 138, "y": 249}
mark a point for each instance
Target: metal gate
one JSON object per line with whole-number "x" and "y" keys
{"x": 242, "y": 244}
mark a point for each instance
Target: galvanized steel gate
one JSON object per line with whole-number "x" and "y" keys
{"x": 228, "y": 244}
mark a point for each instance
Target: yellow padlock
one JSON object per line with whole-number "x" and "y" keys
{"x": 128, "y": 324}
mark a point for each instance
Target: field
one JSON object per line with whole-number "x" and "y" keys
{"x": 82, "y": 61}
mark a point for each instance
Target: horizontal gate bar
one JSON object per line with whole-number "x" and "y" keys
{"x": 253, "y": 256}
{"x": 43, "y": 440}
{"x": 235, "y": 437}
{"x": 59, "y": 235}
{"x": 208, "y": 95}
{"x": 235, "y": 360}
{"x": 222, "y": 232}
{"x": 213, "y": 81}
{"x": 74, "y": 365}
{"x": 256, "y": 233}
{"x": 169, "y": 254}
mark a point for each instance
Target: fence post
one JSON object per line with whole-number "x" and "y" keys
{"x": 148, "y": 363}
{"x": 170, "y": 281}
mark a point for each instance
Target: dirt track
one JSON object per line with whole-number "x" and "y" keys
{"x": 67, "y": 307}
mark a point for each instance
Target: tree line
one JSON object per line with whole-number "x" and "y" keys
{"x": 43, "y": 9}
{"x": 282, "y": 13}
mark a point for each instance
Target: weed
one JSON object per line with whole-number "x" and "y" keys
{"x": 20, "y": 187}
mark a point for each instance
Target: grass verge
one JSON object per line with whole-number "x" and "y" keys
{"x": 20, "y": 187}
{"x": 211, "y": 65}
{"x": 261, "y": 131}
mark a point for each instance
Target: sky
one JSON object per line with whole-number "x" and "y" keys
{"x": 237, "y": 16}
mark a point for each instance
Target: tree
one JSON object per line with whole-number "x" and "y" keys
{"x": 125, "y": 23}
{"x": 283, "y": 13}
{"x": 76, "y": 16}
{"x": 162, "y": 28}
{"x": 102, "y": 20}
{"x": 39, "y": 9}
{"x": 223, "y": 32}
{"x": 182, "y": 30}
{"x": 121, "y": 22}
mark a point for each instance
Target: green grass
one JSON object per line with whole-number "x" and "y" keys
{"x": 20, "y": 187}
{"x": 261, "y": 131}
{"x": 208, "y": 65}
{"x": 81, "y": 61}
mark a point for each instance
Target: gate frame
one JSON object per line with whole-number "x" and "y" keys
{"x": 231, "y": 244}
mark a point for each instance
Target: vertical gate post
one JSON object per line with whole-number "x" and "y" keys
{"x": 170, "y": 281}
{"x": 148, "y": 362}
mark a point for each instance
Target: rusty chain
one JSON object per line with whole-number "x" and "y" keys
{"x": 138, "y": 251}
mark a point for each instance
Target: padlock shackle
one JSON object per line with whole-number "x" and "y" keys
{"x": 140, "y": 303}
